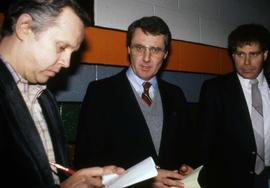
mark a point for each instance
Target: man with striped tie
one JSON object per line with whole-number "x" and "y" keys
{"x": 235, "y": 121}
{"x": 135, "y": 114}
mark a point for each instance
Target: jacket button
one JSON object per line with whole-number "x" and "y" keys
{"x": 253, "y": 153}
{"x": 251, "y": 172}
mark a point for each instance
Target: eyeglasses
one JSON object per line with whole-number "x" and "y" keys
{"x": 140, "y": 49}
{"x": 251, "y": 55}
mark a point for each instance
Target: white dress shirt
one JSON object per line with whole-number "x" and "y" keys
{"x": 265, "y": 92}
{"x": 137, "y": 83}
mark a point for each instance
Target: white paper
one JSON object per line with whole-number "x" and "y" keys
{"x": 144, "y": 170}
{"x": 191, "y": 180}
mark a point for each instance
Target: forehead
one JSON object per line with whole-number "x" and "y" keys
{"x": 145, "y": 38}
{"x": 68, "y": 27}
{"x": 249, "y": 46}
{"x": 253, "y": 46}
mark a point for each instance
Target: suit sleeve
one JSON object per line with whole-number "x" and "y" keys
{"x": 209, "y": 117}
{"x": 89, "y": 146}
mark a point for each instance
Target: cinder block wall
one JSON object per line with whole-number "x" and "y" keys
{"x": 205, "y": 22}
{"x": 201, "y": 21}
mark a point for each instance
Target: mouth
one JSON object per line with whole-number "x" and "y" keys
{"x": 52, "y": 73}
{"x": 248, "y": 70}
{"x": 145, "y": 68}
{"x": 249, "y": 73}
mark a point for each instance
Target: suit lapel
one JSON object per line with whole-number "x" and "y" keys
{"x": 166, "y": 101}
{"x": 267, "y": 78}
{"x": 23, "y": 126}
{"x": 240, "y": 112}
{"x": 54, "y": 122}
{"x": 129, "y": 95}
{"x": 168, "y": 110}
{"x": 136, "y": 113}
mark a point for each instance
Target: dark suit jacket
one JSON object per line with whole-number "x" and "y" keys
{"x": 228, "y": 143}
{"x": 112, "y": 128}
{"x": 23, "y": 158}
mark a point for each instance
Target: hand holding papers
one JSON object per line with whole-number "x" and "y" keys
{"x": 190, "y": 181}
{"x": 137, "y": 173}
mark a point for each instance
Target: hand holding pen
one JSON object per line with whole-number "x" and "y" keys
{"x": 62, "y": 168}
{"x": 87, "y": 177}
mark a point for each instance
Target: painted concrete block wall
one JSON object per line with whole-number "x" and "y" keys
{"x": 201, "y": 21}
{"x": 72, "y": 87}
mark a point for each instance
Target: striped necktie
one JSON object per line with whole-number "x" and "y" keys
{"x": 257, "y": 123}
{"x": 145, "y": 95}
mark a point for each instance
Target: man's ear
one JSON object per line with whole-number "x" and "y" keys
{"x": 23, "y": 26}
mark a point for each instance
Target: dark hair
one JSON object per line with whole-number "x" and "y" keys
{"x": 247, "y": 34}
{"x": 153, "y": 25}
{"x": 43, "y": 12}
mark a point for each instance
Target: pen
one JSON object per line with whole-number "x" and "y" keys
{"x": 64, "y": 169}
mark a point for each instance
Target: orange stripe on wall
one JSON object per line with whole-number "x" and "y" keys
{"x": 226, "y": 64}
{"x": 105, "y": 47}
{"x": 108, "y": 47}
{"x": 198, "y": 58}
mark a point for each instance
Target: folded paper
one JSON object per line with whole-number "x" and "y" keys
{"x": 142, "y": 171}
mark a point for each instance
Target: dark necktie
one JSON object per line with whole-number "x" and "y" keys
{"x": 145, "y": 95}
{"x": 257, "y": 123}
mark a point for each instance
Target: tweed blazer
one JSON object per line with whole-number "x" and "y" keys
{"x": 22, "y": 154}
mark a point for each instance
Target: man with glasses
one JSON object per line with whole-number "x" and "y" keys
{"x": 235, "y": 119}
{"x": 135, "y": 114}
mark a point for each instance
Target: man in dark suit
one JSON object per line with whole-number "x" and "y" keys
{"x": 38, "y": 38}
{"x": 118, "y": 126}
{"x": 231, "y": 150}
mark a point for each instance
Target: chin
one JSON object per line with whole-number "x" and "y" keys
{"x": 249, "y": 76}
{"x": 43, "y": 80}
{"x": 145, "y": 75}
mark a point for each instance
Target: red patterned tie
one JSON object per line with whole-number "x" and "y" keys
{"x": 145, "y": 94}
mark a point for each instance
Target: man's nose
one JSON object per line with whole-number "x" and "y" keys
{"x": 65, "y": 60}
{"x": 247, "y": 60}
{"x": 146, "y": 55}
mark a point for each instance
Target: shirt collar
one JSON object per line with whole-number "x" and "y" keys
{"x": 37, "y": 88}
{"x": 246, "y": 82}
{"x": 135, "y": 80}
{"x": 11, "y": 70}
